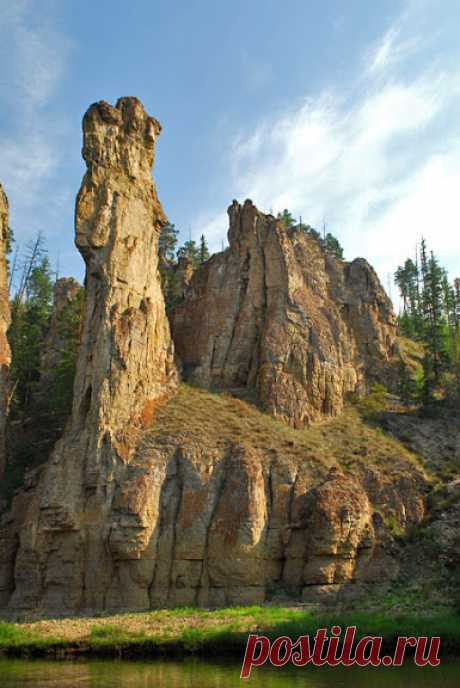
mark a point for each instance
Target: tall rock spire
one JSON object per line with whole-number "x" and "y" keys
{"x": 5, "y": 355}
{"x": 126, "y": 361}
{"x": 125, "y": 367}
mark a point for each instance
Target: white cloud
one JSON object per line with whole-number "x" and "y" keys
{"x": 33, "y": 55}
{"x": 33, "y": 58}
{"x": 390, "y": 50}
{"x": 382, "y": 170}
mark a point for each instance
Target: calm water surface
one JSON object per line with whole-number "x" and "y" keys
{"x": 198, "y": 674}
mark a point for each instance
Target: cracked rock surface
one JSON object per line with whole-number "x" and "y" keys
{"x": 280, "y": 317}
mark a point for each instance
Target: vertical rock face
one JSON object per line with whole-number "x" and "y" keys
{"x": 278, "y": 315}
{"x": 66, "y": 290}
{"x": 61, "y": 558}
{"x": 126, "y": 358}
{"x": 5, "y": 355}
{"x": 182, "y": 277}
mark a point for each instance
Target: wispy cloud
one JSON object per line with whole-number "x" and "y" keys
{"x": 382, "y": 167}
{"x": 390, "y": 50}
{"x": 33, "y": 59}
{"x": 34, "y": 55}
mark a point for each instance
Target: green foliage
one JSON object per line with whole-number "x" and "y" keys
{"x": 203, "y": 250}
{"x": 37, "y": 419}
{"x": 330, "y": 243}
{"x": 191, "y": 251}
{"x": 408, "y": 386}
{"x": 70, "y": 324}
{"x": 431, "y": 315}
{"x": 374, "y": 404}
{"x": 167, "y": 242}
{"x": 197, "y": 254}
{"x": 225, "y": 631}
{"x": 333, "y": 246}
{"x": 286, "y": 218}
{"x": 311, "y": 231}
{"x": 29, "y": 320}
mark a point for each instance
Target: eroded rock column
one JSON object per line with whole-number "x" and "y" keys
{"x": 125, "y": 368}
{"x": 5, "y": 355}
{"x": 126, "y": 363}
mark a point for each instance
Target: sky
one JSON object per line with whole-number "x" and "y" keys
{"x": 346, "y": 113}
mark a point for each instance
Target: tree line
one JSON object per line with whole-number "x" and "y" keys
{"x": 36, "y": 415}
{"x": 431, "y": 316}
{"x": 327, "y": 241}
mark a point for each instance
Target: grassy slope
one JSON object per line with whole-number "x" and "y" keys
{"x": 219, "y": 420}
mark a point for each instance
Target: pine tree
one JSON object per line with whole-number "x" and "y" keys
{"x": 332, "y": 245}
{"x": 407, "y": 280}
{"x": 30, "y": 311}
{"x": 167, "y": 242}
{"x": 286, "y": 218}
{"x": 191, "y": 251}
{"x": 203, "y": 250}
{"x": 407, "y": 385}
{"x": 431, "y": 314}
{"x": 434, "y": 315}
{"x": 70, "y": 328}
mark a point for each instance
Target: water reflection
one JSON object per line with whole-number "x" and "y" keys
{"x": 199, "y": 674}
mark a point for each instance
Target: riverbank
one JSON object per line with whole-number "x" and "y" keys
{"x": 214, "y": 633}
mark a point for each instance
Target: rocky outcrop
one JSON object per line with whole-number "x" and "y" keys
{"x": 279, "y": 316}
{"x": 183, "y": 274}
{"x": 66, "y": 291}
{"x": 126, "y": 516}
{"x": 5, "y": 355}
{"x": 55, "y": 553}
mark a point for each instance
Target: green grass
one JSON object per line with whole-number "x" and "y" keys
{"x": 218, "y": 632}
{"x": 17, "y": 637}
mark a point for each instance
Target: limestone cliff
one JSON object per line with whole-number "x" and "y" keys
{"x": 5, "y": 356}
{"x": 54, "y": 553}
{"x": 182, "y": 277}
{"x": 214, "y": 502}
{"x": 279, "y": 316}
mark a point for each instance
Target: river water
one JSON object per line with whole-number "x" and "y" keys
{"x": 15, "y": 673}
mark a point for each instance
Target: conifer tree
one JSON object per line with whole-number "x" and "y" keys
{"x": 332, "y": 244}
{"x": 433, "y": 315}
{"x": 203, "y": 250}
{"x": 167, "y": 242}
{"x": 30, "y": 311}
{"x": 286, "y": 218}
{"x": 191, "y": 251}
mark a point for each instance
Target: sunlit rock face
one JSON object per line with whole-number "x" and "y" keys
{"x": 56, "y": 554}
{"x": 122, "y": 517}
{"x": 5, "y": 354}
{"x": 277, "y": 314}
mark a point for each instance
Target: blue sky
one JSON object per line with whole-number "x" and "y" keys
{"x": 347, "y": 112}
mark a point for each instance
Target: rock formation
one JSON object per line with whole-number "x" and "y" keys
{"x": 5, "y": 356}
{"x": 126, "y": 517}
{"x": 278, "y": 315}
{"x": 66, "y": 290}
{"x": 125, "y": 369}
{"x": 183, "y": 274}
